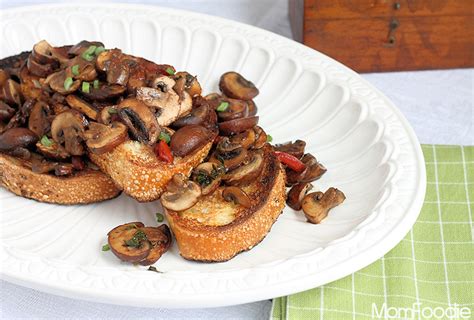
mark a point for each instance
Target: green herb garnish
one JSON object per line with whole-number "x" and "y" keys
{"x": 165, "y": 137}
{"x": 98, "y": 50}
{"x": 222, "y": 106}
{"x": 89, "y": 53}
{"x": 68, "y": 83}
{"x": 170, "y": 71}
{"x": 75, "y": 69}
{"x": 136, "y": 240}
{"x": 96, "y": 84}
{"x": 159, "y": 217}
{"x": 152, "y": 268}
{"x": 203, "y": 179}
{"x": 46, "y": 142}
{"x": 112, "y": 111}
{"x": 269, "y": 138}
{"x": 86, "y": 86}
{"x": 106, "y": 247}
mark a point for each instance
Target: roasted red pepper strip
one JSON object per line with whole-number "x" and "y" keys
{"x": 163, "y": 152}
{"x": 290, "y": 161}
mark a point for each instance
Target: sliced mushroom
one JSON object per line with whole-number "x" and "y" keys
{"x": 294, "y": 148}
{"x": 296, "y": 195}
{"x": 11, "y": 92}
{"x": 6, "y": 112}
{"x": 208, "y": 175}
{"x": 38, "y": 69}
{"x": 237, "y": 196}
{"x": 230, "y": 154}
{"x": 41, "y": 53}
{"x": 63, "y": 169}
{"x": 53, "y": 150}
{"x": 234, "y": 85}
{"x": 316, "y": 205}
{"x": 78, "y": 163}
{"x": 246, "y": 139}
{"x": 42, "y": 165}
{"x": 191, "y": 84}
{"x": 21, "y": 115}
{"x": 247, "y": 172}
{"x": 101, "y": 138}
{"x": 140, "y": 120}
{"x": 214, "y": 99}
{"x": 38, "y": 121}
{"x": 236, "y": 109}
{"x": 17, "y": 137}
{"x": 104, "y": 92}
{"x": 85, "y": 70}
{"x": 108, "y": 114}
{"x": 188, "y": 139}
{"x": 129, "y": 243}
{"x": 314, "y": 170}
{"x": 160, "y": 240}
{"x": 57, "y": 82}
{"x": 68, "y": 128}
{"x": 237, "y": 125}
{"x": 82, "y": 46}
{"x": 4, "y": 76}
{"x": 181, "y": 194}
{"x": 252, "y": 108}
{"x": 260, "y": 139}
{"x": 82, "y": 106}
{"x": 197, "y": 117}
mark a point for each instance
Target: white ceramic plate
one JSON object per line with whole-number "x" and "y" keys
{"x": 368, "y": 147}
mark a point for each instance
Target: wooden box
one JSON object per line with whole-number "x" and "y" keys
{"x": 390, "y": 35}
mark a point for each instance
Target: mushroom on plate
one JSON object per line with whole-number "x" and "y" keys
{"x": 234, "y": 85}
{"x": 82, "y": 106}
{"x": 246, "y": 173}
{"x": 296, "y": 195}
{"x": 188, "y": 139}
{"x": 230, "y": 154}
{"x": 17, "y": 138}
{"x": 38, "y": 121}
{"x": 294, "y": 148}
{"x": 6, "y": 112}
{"x": 129, "y": 243}
{"x": 68, "y": 128}
{"x": 237, "y": 196}
{"x": 62, "y": 82}
{"x": 181, "y": 193}
{"x": 235, "y": 126}
{"x": 11, "y": 92}
{"x": 208, "y": 175}
{"x": 101, "y": 138}
{"x": 140, "y": 120}
{"x": 316, "y": 205}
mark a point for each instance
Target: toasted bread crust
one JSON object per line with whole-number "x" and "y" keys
{"x": 86, "y": 186}
{"x": 135, "y": 169}
{"x": 210, "y": 243}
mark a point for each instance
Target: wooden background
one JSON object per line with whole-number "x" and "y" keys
{"x": 388, "y": 35}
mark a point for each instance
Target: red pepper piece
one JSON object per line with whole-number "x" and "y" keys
{"x": 290, "y": 161}
{"x": 163, "y": 152}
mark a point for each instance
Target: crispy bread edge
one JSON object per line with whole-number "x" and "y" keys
{"x": 87, "y": 186}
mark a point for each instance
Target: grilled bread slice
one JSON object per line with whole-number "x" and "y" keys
{"x": 214, "y": 230}
{"x": 134, "y": 168}
{"x": 86, "y": 186}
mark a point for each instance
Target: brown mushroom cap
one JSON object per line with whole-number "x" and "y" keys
{"x": 246, "y": 139}
{"x": 68, "y": 128}
{"x": 316, "y": 205}
{"x": 106, "y": 115}
{"x": 296, "y": 195}
{"x": 294, "y": 148}
{"x": 11, "y": 92}
{"x": 260, "y": 139}
{"x": 56, "y": 82}
{"x": 314, "y": 170}
{"x": 37, "y": 69}
{"x": 104, "y": 92}
{"x": 247, "y": 172}
{"x": 181, "y": 194}
{"x": 140, "y": 120}
{"x": 101, "y": 138}
{"x": 6, "y": 112}
{"x": 230, "y": 154}
{"x": 191, "y": 84}
{"x": 252, "y": 108}
{"x": 53, "y": 151}
{"x": 41, "y": 53}
{"x": 38, "y": 121}
{"x": 236, "y": 109}
{"x": 82, "y": 106}
{"x": 234, "y": 85}
{"x": 208, "y": 175}
{"x": 197, "y": 117}
{"x": 188, "y": 139}
{"x": 17, "y": 137}
{"x": 237, "y": 196}
{"x": 237, "y": 125}
{"x": 117, "y": 240}
{"x": 160, "y": 239}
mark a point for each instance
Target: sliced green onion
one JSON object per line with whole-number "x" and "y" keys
{"x": 170, "y": 71}
{"x": 89, "y": 53}
{"x": 269, "y": 138}
{"x": 159, "y": 217}
{"x": 165, "y": 137}
{"x": 222, "y": 106}
{"x": 68, "y": 83}
{"x": 46, "y": 142}
{"x": 98, "y": 50}
{"x": 86, "y": 87}
{"x": 112, "y": 111}
{"x": 96, "y": 84}
{"x": 75, "y": 69}
{"x": 106, "y": 247}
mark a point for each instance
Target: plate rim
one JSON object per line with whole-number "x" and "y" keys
{"x": 357, "y": 262}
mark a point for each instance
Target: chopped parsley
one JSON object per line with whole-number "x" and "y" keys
{"x": 106, "y": 247}
{"x": 112, "y": 111}
{"x": 136, "y": 240}
{"x": 170, "y": 71}
{"x": 46, "y": 142}
{"x": 159, "y": 217}
{"x": 269, "y": 138}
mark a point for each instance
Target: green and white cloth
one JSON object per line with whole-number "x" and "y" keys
{"x": 429, "y": 273}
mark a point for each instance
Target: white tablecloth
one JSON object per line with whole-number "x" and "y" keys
{"x": 438, "y": 104}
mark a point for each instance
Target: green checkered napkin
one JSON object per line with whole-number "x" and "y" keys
{"x": 433, "y": 265}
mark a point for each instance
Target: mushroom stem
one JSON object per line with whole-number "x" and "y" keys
{"x": 316, "y": 205}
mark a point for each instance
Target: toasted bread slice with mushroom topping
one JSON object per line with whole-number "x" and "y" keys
{"x": 214, "y": 230}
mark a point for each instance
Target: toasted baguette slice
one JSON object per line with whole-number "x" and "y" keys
{"x": 215, "y": 230}
{"x": 134, "y": 168}
{"x": 86, "y": 186}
